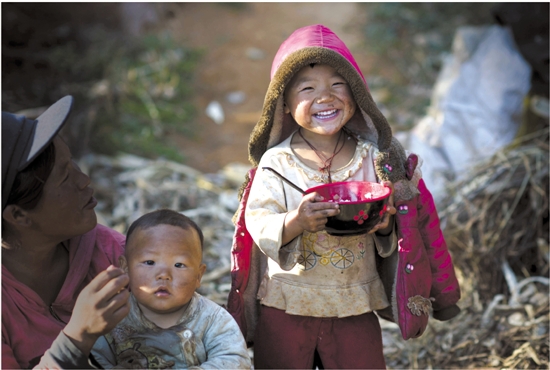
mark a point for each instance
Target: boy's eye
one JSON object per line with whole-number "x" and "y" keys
{"x": 306, "y": 88}
{"x": 149, "y": 262}
{"x": 179, "y": 265}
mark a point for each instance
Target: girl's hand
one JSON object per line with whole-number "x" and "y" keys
{"x": 99, "y": 307}
{"x": 385, "y": 226}
{"x": 312, "y": 215}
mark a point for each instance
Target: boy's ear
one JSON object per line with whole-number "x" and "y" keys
{"x": 16, "y": 216}
{"x": 202, "y": 269}
{"x": 123, "y": 264}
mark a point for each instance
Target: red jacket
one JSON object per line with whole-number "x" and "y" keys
{"x": 419, "y": 275}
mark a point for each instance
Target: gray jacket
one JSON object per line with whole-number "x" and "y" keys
{"x": 206, "y": 337}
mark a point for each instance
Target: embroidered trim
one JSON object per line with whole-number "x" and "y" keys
{"x": 419, "y": 305}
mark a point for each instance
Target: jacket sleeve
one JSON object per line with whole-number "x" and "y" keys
{"x": 385, "y": 244}
{"x": 445, "y": 289}
{"x": 265, "y": 216}
{"x": 225, "y": 345}
{"x": 63, "y": 354}
{"x": 8, "y": 358}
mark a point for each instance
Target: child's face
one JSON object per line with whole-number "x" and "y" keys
{"x": 165, "y": 267}
{"x": 319, "y": 99}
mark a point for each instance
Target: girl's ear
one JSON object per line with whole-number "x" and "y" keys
{"x": 16, "y": 216}
{"x": 286, "y": 109}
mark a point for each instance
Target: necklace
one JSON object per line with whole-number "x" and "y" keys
{"x": 327, "y": 162}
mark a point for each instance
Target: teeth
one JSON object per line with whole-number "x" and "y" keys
{"x": 327, "y": 112}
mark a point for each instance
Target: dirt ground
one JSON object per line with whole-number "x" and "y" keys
{"x": 227, "y": 66}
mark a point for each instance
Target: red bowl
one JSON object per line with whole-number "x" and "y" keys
{"x": 362, "y": 205}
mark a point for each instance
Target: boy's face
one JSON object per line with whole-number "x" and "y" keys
{"x": 165, "y": 267}
{"x": 319, "y": 99}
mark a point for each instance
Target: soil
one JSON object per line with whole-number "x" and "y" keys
{"x": 226, "y": 32}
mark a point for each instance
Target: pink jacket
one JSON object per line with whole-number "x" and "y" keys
{"x": 419, "y": 277}
{"x": 29, "y": 326}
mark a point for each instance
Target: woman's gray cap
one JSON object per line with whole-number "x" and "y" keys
{"x": 24, "y": 139}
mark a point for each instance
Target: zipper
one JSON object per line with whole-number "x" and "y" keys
{"x": 55, "y": 315}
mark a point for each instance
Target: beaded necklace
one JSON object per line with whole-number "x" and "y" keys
{"x": 327, "y": 162}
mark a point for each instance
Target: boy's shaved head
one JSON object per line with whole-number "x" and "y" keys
{"x": 164, "y": 217}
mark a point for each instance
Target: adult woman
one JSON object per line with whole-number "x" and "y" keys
{"x": 60, "y": 289}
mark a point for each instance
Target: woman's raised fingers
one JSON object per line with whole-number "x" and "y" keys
{"x": 104, "y": 277}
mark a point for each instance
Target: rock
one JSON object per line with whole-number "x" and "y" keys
{"x": 236, "y": 97}
{"x": 235, "y": 173}
{"x": 516, "y": 319}
{"x": 214, "y": 110}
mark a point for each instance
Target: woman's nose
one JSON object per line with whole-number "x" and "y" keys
{"x": 83, "y": 179}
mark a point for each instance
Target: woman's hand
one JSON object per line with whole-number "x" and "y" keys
{"x": 99, "y": 307}
{"x": 385, "y": 226}
{"x": 312, "y": 215}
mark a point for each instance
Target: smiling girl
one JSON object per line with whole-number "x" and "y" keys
{"x": 302, "y": 296}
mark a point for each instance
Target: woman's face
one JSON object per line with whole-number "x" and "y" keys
{"x": 66, "y": 208}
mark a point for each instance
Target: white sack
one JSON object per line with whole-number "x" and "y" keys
{"x": 476, "y": 105}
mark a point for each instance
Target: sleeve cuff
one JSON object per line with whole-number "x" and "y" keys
{"x": 63, "y": 354}
{"x": 385, "y": 244}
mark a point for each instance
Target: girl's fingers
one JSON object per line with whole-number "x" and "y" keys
{"x": 312, "y": 197}
{"x": 324, "y": 205}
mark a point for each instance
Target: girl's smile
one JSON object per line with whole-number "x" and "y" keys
{"x": 326, "y": 115}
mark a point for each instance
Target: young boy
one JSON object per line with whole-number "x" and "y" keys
{"x": 169, "y": 324}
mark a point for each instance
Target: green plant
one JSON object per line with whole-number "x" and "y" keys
{"x": 151, "y": 85}
{"x": 136, "y": 93}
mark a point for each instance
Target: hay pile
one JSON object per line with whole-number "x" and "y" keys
{"x": 496, "y": 226}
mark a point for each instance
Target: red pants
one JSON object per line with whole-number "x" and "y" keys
{"x": 283, "y": 341}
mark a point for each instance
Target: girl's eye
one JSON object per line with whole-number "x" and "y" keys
{"x": 306, "y": 88}
{"x": 179, "y": 265}
{"x": 149, "y": 262}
